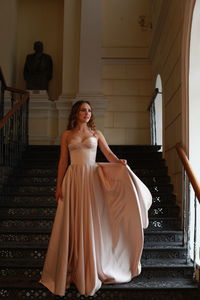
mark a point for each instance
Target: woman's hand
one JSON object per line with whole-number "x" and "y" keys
{"x": 123, "y": 161}
{"x": 58, "y": 194}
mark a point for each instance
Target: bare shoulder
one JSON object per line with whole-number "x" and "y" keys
{"x": 100, "y": 137}
{"x": 65, "y": 135}
{"x": 98, "y": 133}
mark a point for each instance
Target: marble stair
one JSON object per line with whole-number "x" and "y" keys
{"x": 27, "y": 208}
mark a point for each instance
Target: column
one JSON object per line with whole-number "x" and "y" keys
{"x": 71, "y": 49}
{"x": 90, "y": 87}
{"x": 81, "y": 60}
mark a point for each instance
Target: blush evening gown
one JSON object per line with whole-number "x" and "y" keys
{"x": 97, "y": 235}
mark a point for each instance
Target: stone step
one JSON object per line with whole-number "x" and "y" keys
{"x": 47, "y": 189}
{"x": 36, "y": 155}
{"x": 46, "y": 171}
{"x": 170, "y": 211}
{"x": 118, "y": 150}
{"x": 32, "y": 252}
{"x": 184, "y": 289}
{"x": 158, "y": 254}
{"x": 150, "y": 172}
{"x": 51, "y": 180}
{"x": 164, "y": 224}
{"x": 131, "y": 160}
{"x": 163, "y": 238}
{"x": 151, "y": 180}
{"x": 135, "y": 283}
{"x": 27, "y": 200}
{"x": 38, "y": 223}
{"x": 132, "y": 148}
{"x": 151, "y": 238}
{"x": 134, "y": 164}
{"x": 42, "y": 212}
{"x": 25, "y": 269}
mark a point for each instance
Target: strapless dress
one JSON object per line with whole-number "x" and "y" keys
{"x": 97, "y": 235}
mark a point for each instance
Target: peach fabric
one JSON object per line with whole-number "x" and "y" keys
{"x": 97, "y": 235}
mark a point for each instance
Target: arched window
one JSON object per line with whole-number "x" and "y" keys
{"x": 159, "y": 111}
{"x": 156, "y": 114}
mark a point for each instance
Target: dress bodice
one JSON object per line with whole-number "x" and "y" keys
{"x": 83, "y": 152}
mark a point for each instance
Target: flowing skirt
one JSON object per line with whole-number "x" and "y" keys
{"x": 97, "y": 235}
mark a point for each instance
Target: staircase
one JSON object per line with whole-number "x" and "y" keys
{"x": 27, "y": 208}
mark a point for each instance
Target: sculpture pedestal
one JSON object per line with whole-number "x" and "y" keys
{"x": 43, "y": 119}
{"x": 63, "y": 106}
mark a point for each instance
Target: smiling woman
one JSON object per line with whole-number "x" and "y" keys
{"x": 98, "y": 205}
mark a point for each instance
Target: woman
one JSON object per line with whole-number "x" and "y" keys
{"x": 97, "y": 235}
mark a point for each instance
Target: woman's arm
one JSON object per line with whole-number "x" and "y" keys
{"x": 62, "y": 165}
{"x": 103, "y": 145}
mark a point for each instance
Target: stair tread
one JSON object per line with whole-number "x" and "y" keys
{"x": 49, "y": 218}
{"x": 33, "y": 245}
{"x": 38, "y": 263}
{"x": 145, "y": 232}
{"x": 36, "y": 184}
{"x": 48, "y": 231}
{"x": 49, "y": 166}
{"x": 135, "y": 283}
{"x": 50, "y": 205}
{"x": 50, "y": 194}
{"x": 150, "y": 218}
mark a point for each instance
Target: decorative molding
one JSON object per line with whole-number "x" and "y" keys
{"x": 125, "y": 52}
{"x": 126, "y": 61}
{"x": 41, "y": 108}
{"x": 42, "y": 140}
{"x": 144, "y": 23}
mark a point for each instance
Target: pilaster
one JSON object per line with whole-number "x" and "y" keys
{"x": 43, "y": 119}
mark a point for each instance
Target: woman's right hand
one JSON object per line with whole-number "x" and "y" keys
{"x": 59, "y": 194}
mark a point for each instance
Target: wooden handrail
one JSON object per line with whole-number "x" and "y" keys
{"x": 11, "y": 112}
{"x": 13, "y": 129}
{"x": 15, "y": 90}
{"x": 192, "y": 177}
{"x": 10, "y": 89}
{"x": 24, "y": 98}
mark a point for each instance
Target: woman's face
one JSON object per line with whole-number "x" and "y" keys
{"x": 84, "y": 113}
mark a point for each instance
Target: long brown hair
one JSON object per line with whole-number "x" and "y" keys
{"x": 72, "y": 122}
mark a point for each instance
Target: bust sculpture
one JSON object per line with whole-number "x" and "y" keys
{"x": 38, "y": 69}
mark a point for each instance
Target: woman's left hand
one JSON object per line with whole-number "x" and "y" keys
{"x": 123, "y": 161}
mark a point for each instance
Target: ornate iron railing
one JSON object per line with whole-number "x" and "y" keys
{"x": 191, "y": 206}
{"x": 13, "y": 129}
{"x": 192, "y": 177}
